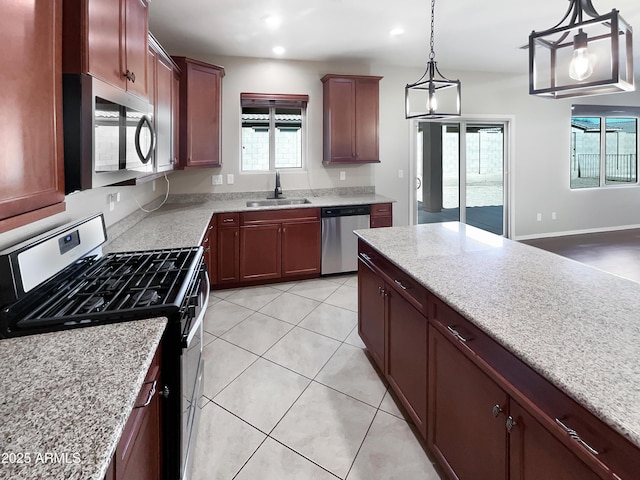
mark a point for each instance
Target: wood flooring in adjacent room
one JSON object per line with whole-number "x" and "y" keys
{"x": 615, "y": 252}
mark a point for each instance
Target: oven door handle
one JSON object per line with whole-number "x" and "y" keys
{"x": 196, "y": 325}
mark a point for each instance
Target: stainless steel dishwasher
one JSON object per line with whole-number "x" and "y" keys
{"x": 339, "y": 244}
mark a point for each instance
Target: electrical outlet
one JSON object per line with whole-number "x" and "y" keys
{"x": 400, "y": 173}
{"x": 343, "y": 175}
{"x": 117, "y": 197}
{"x": 216, "y": 179}
{"x": 553, "y": 216}
{"x": 111, "y": 201}
{"x": 153, "y": 185}
{"x": 539, "y": 217}
{"x": 229, "y": 178}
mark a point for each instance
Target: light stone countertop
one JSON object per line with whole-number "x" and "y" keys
{"x": 66, "y": 396}
{"x": 182, "y": 223}
{"x": 575, "y": 325}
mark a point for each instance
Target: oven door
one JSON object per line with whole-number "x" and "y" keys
{"x": 192, "y": 369}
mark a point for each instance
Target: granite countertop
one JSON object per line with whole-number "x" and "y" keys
{"x": 576, "y": 325}
{"x": 183, "y": 221}
{"x": 67, "y": 395}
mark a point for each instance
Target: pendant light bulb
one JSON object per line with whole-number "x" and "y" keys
{"x": 432, "y": 101}
{"x": 581, "y": 65}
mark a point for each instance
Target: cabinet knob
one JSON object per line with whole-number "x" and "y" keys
{"x": 130, "y": 76}
{"x": 496, "y": 410}
{"x": 510, "y": 423}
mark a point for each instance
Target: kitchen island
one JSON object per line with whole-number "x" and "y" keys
{"x": 570, "y": 325}
{"x": 66, "y": 397}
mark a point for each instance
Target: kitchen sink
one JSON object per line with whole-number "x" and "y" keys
{"x": 273, "y": 202}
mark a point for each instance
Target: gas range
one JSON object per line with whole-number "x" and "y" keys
{"x": 61, "y": 280}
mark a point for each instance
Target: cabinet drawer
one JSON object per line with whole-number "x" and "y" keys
{"x": 411, "y": 290}
{"x": 543, "y": 400}
{"x": 377, "y": 222}
{"x": 280, "y": 216}
{"x": 381, "y": 210}
{"x": 228, "y": 219}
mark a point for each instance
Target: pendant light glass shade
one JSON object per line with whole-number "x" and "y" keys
{"x": 433, "y": 95}
{"x": 582, "y": 57}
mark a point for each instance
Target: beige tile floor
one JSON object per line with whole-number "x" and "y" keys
{"x": 290, "y": 394}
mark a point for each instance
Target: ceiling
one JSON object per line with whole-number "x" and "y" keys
{"x": 469, "y": 34}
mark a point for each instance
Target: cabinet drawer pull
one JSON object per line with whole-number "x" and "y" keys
{"x": 366, "y": 257}
{"x": 228, "y": 220}
{"x": 455, "y": 333}
{"x": 510, "y": 423}
{"x": 152, "y": 392}
{"x": 574, "y": 435}
{"x": 399, "y": 283}
{"x": 496, "y": 410}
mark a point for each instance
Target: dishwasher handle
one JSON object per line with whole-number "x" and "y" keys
{"x": 346, "y": 211}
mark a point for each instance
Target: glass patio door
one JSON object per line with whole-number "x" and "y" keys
{"x": 460, "y": 174}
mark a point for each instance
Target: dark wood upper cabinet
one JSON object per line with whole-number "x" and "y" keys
{"x": 108, "y": 39}
{"x": 200, "y": 111}
{"x": 163, "y": 95}
{"x": 31, "y": 158}
{"x": 351, "y": 119}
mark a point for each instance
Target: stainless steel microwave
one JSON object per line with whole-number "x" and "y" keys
{"x": 108, "y": 134}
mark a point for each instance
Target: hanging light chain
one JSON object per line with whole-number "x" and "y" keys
{"x": 432, "y": 54}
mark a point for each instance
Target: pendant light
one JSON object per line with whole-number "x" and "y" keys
{"x": 433, "y": 95}
{"x": 583, "y": 54}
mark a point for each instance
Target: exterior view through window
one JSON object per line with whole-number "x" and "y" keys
{"x": 272, "y": 133}
{"x": 604, "y": 147}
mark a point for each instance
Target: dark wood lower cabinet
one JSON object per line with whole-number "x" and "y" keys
{"x": 137, "y": 454}
{"x": 535, "y": 453}
{"x": 300, "y": 248}
{"x": 372, "y": 311}
{"x": 467, "y": 430}
{"x": 406, "y": 356}
{"x": 260, "y": 252}
{"x": 228, "y": 254}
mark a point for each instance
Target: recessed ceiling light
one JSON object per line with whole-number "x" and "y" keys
{"x": 278, "y": 50}
{"x": 394, "y": 32}
{"x": 272, "y": 21}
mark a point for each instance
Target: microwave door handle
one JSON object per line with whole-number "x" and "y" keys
{"x": 145, "y": 158}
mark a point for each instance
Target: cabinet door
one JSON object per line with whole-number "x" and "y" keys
{"x": 469, "y": 441}
{"x": 371, "y": 312}
{"x": 260, "y": 247}
{"x": 138, "y": 451}
{"x": 228, "y": 255}
{"x": 31, "y": 158}
{"x": 406, "y": 356}
{"x": 339, "y": 118}
{"x": 175, "y": 117}
{"x": 535, "y": 453}
{"x": 300, "y": 248}
{"x": 209, "y": 244}
{"x": 136, "y": 45}
{"x": 106, "y": 39}
{"x": 203, "y": 117}
{"x": 366, "y": 120}
{"x": 164, "y": 113}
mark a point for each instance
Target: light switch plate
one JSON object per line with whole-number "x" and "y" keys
{"x": 343, "y": 175}
{"x": 229, "y": 178}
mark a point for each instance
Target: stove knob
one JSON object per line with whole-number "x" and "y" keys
{"x": 165, "y": 391}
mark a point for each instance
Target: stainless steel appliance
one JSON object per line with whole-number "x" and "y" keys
{"x": 339, "y": 244}
{"x": 61, "y": 280}
{"x": 108, "y": 134}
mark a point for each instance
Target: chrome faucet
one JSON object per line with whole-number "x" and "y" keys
{"x": 278, "y": 190}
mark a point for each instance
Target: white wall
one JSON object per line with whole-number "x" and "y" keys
{"x": 84, "y": 204}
